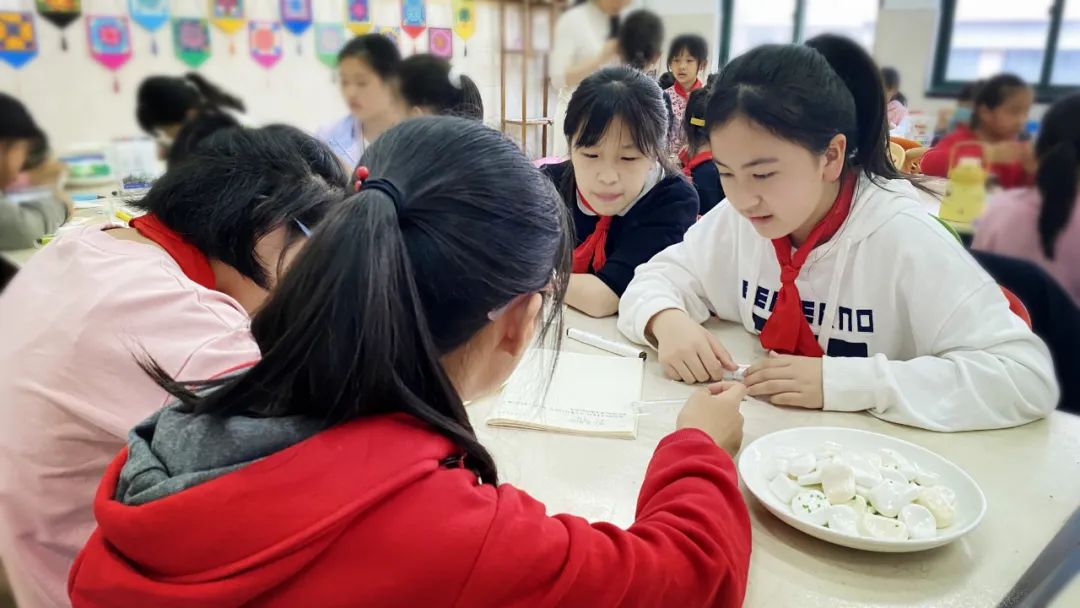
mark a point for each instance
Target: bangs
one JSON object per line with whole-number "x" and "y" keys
{"x": 598, "y": 117}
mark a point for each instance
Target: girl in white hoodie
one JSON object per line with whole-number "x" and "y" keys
{"x": 864, "y": 301}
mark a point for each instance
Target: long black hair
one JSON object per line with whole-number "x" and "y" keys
{"x": 640, "y": 37}
{"x": 431, "y": 83}
{"x": 204, "y": 124}
{"x": 377, "y": 51}
{"x": 697, "y": 135}
{"x": 240, "y": 184}
{"x": 170, "y": 100}
{"x": 616, "y": 92}
{"x": 386, "y": 287}
{"x": 1058, "y": 151}
{"x": 995, "y": 91}
{"x": 808, "y": 94}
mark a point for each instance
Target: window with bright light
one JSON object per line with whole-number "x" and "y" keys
{"x": 855, "y": 19}
{"x": 758, "y": 22}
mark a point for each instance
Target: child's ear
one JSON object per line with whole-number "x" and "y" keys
{"x": 834, "y": 157}
{"x": 517, "y": 326}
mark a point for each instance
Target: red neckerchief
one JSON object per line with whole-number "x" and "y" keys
{"x": 787, "y": 331}
{"x": 192, "y": 261}
{"x": 683, "y": 92}
{"x": 591, "y": 251}
{"x": 693, "y": 163}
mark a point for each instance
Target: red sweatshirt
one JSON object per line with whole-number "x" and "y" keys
{"x": 363, "y": 515}
{"x": 936, "y": 160}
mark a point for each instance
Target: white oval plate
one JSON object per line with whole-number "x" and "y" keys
{"x": 970, "y": 501}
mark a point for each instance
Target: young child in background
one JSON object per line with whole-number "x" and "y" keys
{"x": 626, "y": 202}
{"x": 696, "y": 157}
{"x": 430, "y": 85}
{"x": 177, "y": 285}
{"x": 999, "y": 115}
{"x": 897, "y": 104}
{"x": 368, "y": 70}
{"x": 640, "y": 37}
{"x": 825, "y": 250}
{"x": 1041, "y": 224}
{"x": 688, "y": 57}
{"x": 23, "y": 222}
{"x": 165, "y": 104}
{"x": 342, "y": 467}
{"x": 948, "y": 119}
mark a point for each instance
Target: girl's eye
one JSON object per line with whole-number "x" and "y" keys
{"x": 726, "y": 175}
{"x": 590, "y": 155}
{"x": 764, "y": 175}
{"x": 629, "y": 159}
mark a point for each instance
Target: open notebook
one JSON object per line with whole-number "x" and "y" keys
{"x": 588, "y": 395}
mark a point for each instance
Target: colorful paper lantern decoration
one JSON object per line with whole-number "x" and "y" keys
{"x": 413, "y": 19}
{"x": 296, "y": 16}
{"x": 264, "y": 40}
{"x": 358, "y": 17}
{"x": 18, "y": 38}
{"x": 228, "y": 16}
{"x": 392, "y": 32}
{"x": 109, "y": 40}
{"x": 150, "y": 15}
{"x": 441, "y": 42}
{"x": 464, "y": 20}
{"x": 191, "y": 40}
{"x": 60, "y": 13}
{"x": 329, "y": 38}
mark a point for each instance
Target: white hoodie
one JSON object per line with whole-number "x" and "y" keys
{"x": 914, "y": 330}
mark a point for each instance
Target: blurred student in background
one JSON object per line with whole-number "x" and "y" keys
{"x": 23, "y": 222}
{"x": 166, "y": 104}
{"x": 697, "y": 158}
{"x": 368, "y": 69}
{"x": 999, "y": 114}
{"x": 641, "y": 35}
{"x": 688, "y": 57}
{"x": 177, "y": 285}
{"x": 897, "y": 103}
{"x": 431, "y": 86}
{"x": 949, "y": 119}
{"x": 584, "y": 42}
{"x": 1041, "y": 224}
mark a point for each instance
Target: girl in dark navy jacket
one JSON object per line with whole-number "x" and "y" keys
{"x": 627, "y": 203}
{"x": 696, "y": 158}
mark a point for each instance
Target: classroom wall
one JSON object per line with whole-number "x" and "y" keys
{"x": 72, "y": 96}
{"x": 905, "y": 38}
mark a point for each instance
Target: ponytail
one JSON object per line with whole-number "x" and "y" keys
{"x": 212, "y": 95}
{"x": 402, "y": 273}
{"x": 169, "y": 100}
{"x": 640, "y": 38}
{"x": 1058, "y": 153}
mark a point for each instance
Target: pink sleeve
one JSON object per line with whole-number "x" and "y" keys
{"x": 689, "y": 546}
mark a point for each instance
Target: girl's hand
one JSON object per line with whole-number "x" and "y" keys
{"x": 787, "y": 380}
{"x": 715, "y": 410}
{"x": 688, "y": 352}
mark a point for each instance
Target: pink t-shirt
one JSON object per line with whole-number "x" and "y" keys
{"x": 1010, "y": 227}
{"x": 72, "y": 321}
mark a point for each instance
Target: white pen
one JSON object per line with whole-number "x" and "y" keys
{"x": 602, "y": 343}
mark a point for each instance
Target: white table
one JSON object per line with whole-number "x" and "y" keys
{"x": 1030, "y": 475}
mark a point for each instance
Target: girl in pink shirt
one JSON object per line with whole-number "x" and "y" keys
{"x": 1040, "y": 224}
{"x": 177, "y": 286}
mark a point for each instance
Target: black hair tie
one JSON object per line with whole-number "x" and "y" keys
{"x": 388, "y": 188}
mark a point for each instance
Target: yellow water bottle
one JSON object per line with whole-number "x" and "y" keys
{"x": 965, "y": 198}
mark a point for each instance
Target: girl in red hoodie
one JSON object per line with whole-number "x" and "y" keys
{"x": 1000, "y": 112}
{"x": 341, "y": 469}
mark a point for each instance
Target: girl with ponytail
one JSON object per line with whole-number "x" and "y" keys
{"x": 167, "y": 106}
{"x": 1041, "y": 223}
{"x": 341, "y": 469}
{"x": 862, "y": 300}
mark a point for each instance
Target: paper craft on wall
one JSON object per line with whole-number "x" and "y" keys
{"x": 264, "y": 40}
{"x": 392, "y": 32}
{"x": 150, "y": 15}
{"x": 329, "y": 38}
{"x": 191, "y": 40}
{"x": 228, "y": 16}
{"x": 441, "y": 42}
{"x": 60, "y": 13}
{"x": 358, "y": 17}
{"x": 464, "y": 21}
{"x": 296, "y": 16}
{"x": 109, "y": 40}
{"x": 18, "y": 39}
{"x": 413, "y": 19}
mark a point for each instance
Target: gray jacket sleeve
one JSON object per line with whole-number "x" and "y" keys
{"x": 23, "y": 222}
